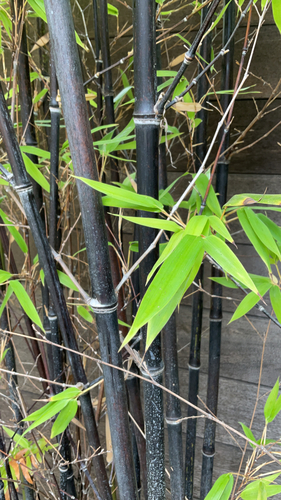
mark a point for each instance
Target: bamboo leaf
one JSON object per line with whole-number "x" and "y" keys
{"x": 274, "y": 229}
{"x": 220, "y": 15}
{"x": 85, "y": 314}
{"x": 269, "y": 408}
{"x": 196, "y": 225}
{"x": 220, "y": 252}
{"x": 250, "y": 301}
{"x": 50, "y": 410}
{"x": 248, "y": 433}
{"x": 240, "y": 200}
{"x": 64, "y": 418}
{"x": 261, "y": 229}
{"x": 8, "y": 294}
{"x": 212, "y": 200}
{"x": 222, "y": 488}
{"x": 67, "y": 281}
{"x": 276, "y": 13}
{"x": 167, "y": 225}
{"x": 69, "y": 393}
{"x": 16, "y": 437}
{"x": 4, "y": 276}
{"x": 112, "y": 11}
{"x": 275, "y": 298}
{"x": 224, "y": 282}
{"x": 146, "y": 202}
{"x": 254, "y": 239}
{"x": 172, "y": 244}
{"x": 14, "y": 232}
{"x": 32, "y": 150}
{"x": 220, "y": 228}
{"x": 26, "y": 303}
{"x": 256, "y": 490}
{"x": 193, "y": 107}
{"x": 166, "y": 282}
{"x": 158, "y": 321}
{"x": 35, "y": 173}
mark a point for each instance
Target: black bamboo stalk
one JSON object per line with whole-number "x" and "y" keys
{"x": 107, "y": 88}
{"x": 24, "y": 189}
{"x": 147, "y": 137}
{"x": 12, "y": 488}
{"x": 75, "y": 111}
{"x": 170, "y": 354}
{"x": 197, "y": 303}
{"x": 216, "y": 289}
{"x": 98, "y": 62}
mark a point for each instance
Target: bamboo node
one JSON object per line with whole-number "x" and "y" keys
{"x": 23, "y": 188}
{"x": 152, "y": 372}
{"x": 99, "y": 308}
{"x": 208, "y": 455}
{"x": 173, "y": 420}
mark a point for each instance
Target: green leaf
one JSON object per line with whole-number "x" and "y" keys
{"x": 220, "y": 228}
{"x": 272, "y": 405}
{"x": 16, "y": 437}
{"x": 224, "y": 282}
{"x": 255, "y": 491}
{"x": 85, "y": 313}
{"x": 220, "y": 252}
{"x": 275, "y": 298}
{"x": 8, "y": 294}
{"x": 166, "y": 282}
{"x": 196, "y": 225}
{"x": 167, "y": 225}
{"x": 69, "y": 393}
{"x": 222, "y": 488}
{"x": 64, "y": 418}
{"x": 248, "y": 433}
{"x": 41, "y": 153}
{"x": 35, "y": 173}
{"x": 40, "y": 95}
{"x": 26, "y": 303}
{"x": 112, "y": 11}
{"x": 14, "y": 232}
{"x": 212, "y": 200}
{"x": 254, "y": 239}
{"x": 174, "y": 241}
{"x": 4, "y": 276}
{"x": 50, "y": 410}
{"x": 250, "y": 301}
{"x": 158, "y": 321}
{"x": 261, "y": 229}
{"x": 134, "y": 246}
{"x": 276, "y": 10}
{"x": 274, "y": 229}
{"x": 67, "y": 281}
{"x": 240, "y": 200}
{"x": 42, "y": 276}
{"x": 133, "y": 199}
{"x": 126, "y": 84}
{"x": 218, "y": 18}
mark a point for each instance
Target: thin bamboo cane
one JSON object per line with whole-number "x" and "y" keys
{"x": 12, "y": 488}
{"x": 147, "y": 137}
{"x": 24, "y": 189}
{"x": 75, "y": 111}
{"x": 170, "y": 355}
{"x": 216, "y": 289}
{"x": 197, "y": 303}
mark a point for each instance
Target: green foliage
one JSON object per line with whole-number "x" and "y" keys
{"x": 222, "y": 488}
{"x": 273, "y": 404}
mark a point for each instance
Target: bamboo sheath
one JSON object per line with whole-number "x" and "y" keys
{"x": 147, "y": 137}
{"x": 75, "y": 113}
{"x": 216, "y": 289}
{"x": 197, "y": 302}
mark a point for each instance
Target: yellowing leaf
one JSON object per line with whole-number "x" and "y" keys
{"x": 187, "y": 106}
{"x": 41, "y": 42}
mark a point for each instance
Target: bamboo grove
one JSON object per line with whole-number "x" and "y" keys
{"x": 91, "y": 133}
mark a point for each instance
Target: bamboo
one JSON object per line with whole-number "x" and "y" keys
{"x": 62, "y": 37}
{"x": 12, "y": 489}
{"x": 170, "y": 355}
{"x": 216, "y": 289}
{"x": 98, "y": 62}
{"x": 147, "y": 137}
{"x": 197, "y": 302}
{"x": 24, "y": 189}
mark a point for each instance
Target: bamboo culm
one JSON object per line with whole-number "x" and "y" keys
{"x": 197, "y": 302}
{"x": 67, "y": 63}
{"x": 24, "y": 189}
{"x": 216, "y": 289}
{"x": 170, "y": 355}
{"x": 147, "y": 137}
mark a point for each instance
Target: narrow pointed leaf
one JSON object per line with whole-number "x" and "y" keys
{"x": 69, "y": 393}
{"x": 172, "y": 244}
{"x": 270, "y": 402}
{"x": 212, "y": 200}
{"x": 51, "y": 409}
{"x": 35, "y": 173}
{"x": 274, "y": 229}
{"x": 224, "y": 282}
{"x": 222, "y": 488}
{"x": 8, "y": 294}
{"x": 220, "y": 252}
{"x": 240, "y": 200}
{"x": 14, "y": 232}
{"x": 262, "y": 230}
{"x": 220, "y": 228}
{"x": 85, "y": 314}
{"x": 4, "y": 276}
{"x": 64, "y": 418}
{"x": 123, "y": 195}
{"x": 250, "y": 301}
{"x": 66, "y": 281}
{"x": 26, "y": 303}
{"x": 254, "y": 239}
{"x": 166, "y": 282}
{"x": 196, "y": 225}
{"x": 275, "y": 298}
{"x": 248, "y": 433}
{"x": 167, "y": 225}
{"x": 158, "y": 321}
